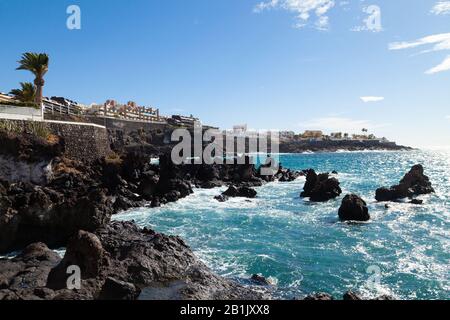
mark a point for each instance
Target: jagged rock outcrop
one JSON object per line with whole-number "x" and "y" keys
{"x": 120, "y": 261}
{"x": 34, "y": 213}
{"x": 414, "y": 183}
{"x": 320, "y": 188}
{"x": 353, "y": 208}
{"x": 244, "y": 192}
{"x": 236, "y": 191}
{"x": 117, "y": 262}
{"x": 25, "y": 276}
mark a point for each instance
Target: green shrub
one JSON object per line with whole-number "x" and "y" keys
{"x": 36, "y": 128}
{"x": 39, "y": 129}
{"x": 20, "y": 104}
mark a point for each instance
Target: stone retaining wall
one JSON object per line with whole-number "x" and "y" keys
{"x": 81, "y": 142}
{"x": 127, "y": 126}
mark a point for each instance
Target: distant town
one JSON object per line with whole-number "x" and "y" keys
{"x": 60, "y": 108}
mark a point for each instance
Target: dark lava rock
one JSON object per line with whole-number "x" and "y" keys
{"x": 155, "y": 203}
{"x": 147, "y": 186}
{"x": 24, "y": 277}
{"x": 120, "y": 259}
{"x": 350, "y": 295}
{"x": 414, "y": 183}
{"x": 40, "y": 214}
{"x": 286, "y": 175}
{"x": 259, "y": 280}
{"x": 319, "y": 297}
{"x": 243, "y": 191}
{"x": 85, "y": 251}
{"x": 221, "y": 198}
{"x": 320, "y": 188}
{"x": 114, "y": 289}
{"x": 416, "y": 201}
{"x": 353, "y": 208}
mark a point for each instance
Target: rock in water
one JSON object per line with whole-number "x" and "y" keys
{"x": 311, "y": 181}
{"x": 260, "y": 280}
{"x": 320, "y": 188}
{"x": 414, "y": 183}
{"x": 221, "y": 198}
{"x": 353, "y": 208}
{"x": 321, "y": 296}
{"x": 244, "y": 192}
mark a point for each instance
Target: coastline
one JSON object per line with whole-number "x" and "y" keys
{"x": 79, "y": 217}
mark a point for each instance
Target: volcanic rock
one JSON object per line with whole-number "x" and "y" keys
{"x": 320, "y": 188}
{"x": 414, "y": 183}
{"x": 353, "y": 208}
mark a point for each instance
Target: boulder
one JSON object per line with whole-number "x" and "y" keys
{"x": 353, "y": 208}
{"x": 85, "y": 251}
{"x": 259, "y": 280}
{"x": 221, "y": 198}
{"x": 310, "y": 184}
{"x": 242, "y": 191}
{"x": 414, "y": 183}
{"x": 320, "y": 188}
{"x": 24, "y": 277}
{"x": 114, "y": 289}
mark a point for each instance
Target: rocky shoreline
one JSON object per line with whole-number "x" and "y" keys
{"x": 68, "y": 203}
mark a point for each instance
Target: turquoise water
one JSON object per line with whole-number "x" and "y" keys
{"x": 403, "y": 251}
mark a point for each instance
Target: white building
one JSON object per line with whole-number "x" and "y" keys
{"x": 240, "y": 129}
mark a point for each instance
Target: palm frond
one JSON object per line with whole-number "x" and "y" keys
{"x": 37, "y": 63}
{"x": 27, "y": 93}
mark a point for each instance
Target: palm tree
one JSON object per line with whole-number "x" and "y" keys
{"x": 27, "y": 93}
{"x": 37, "y": 63}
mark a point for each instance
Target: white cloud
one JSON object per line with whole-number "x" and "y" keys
{"x": 442, "y": 7}
{"x": 371, "y": 99}
{"x": 339, "y": 124}
{"x": 444, "y": 66}
{"x": 322, "y": 23}
{"x": 303, "y": 9}
{"x": 439, "y": 42}
{"x": 447, "y": 117}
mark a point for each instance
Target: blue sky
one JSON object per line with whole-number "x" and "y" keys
{"x": 284, "y": 64}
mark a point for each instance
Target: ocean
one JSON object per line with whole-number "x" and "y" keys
{"x": 302, "y": 247}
